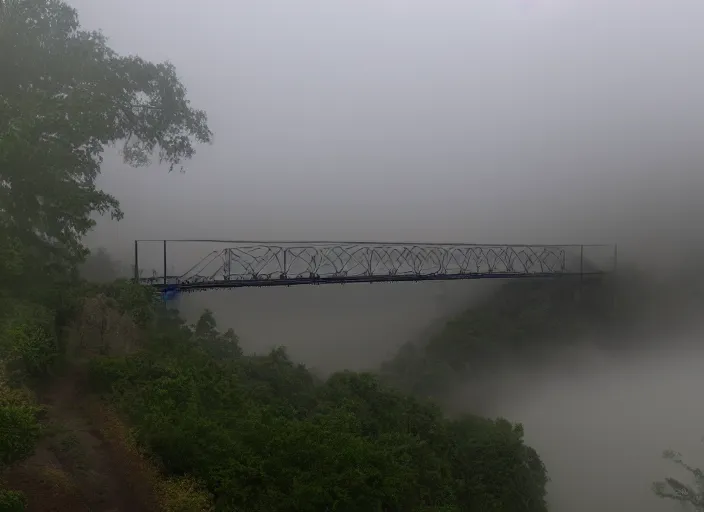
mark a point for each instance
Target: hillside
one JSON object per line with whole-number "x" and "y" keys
{"x": 259, "y": 432}
{"x": 182, "y": 410}
{"x": 199, "y": 425}
{"x": 526, "y": 322}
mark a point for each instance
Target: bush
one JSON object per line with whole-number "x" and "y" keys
{"x": 12, "y": 501}
{"x": 29, "y": 340}
{"x": 20, "y": 432}
{"x": 184, "y": 494}
{"x": 136, "y": 300}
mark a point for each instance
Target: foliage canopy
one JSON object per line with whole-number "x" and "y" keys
{"x": 65, "y": 95}
{"x": 264, "y": 434}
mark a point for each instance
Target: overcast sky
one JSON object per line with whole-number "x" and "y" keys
{"x": 474, "y": 120}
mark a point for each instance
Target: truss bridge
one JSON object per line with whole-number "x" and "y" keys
{"x": 189, "y": 265}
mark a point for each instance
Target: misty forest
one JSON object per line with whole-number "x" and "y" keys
{"x": 528, "y": 395}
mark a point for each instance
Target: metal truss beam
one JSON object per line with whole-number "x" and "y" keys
{"x": 264, "y": 264}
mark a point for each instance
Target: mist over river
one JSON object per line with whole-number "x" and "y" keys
{"x": 600, "y": 421}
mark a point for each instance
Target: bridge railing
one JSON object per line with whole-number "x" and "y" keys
{"x": 186, "y": 263}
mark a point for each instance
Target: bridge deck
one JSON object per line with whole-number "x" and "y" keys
{"x": 261, "y": 264}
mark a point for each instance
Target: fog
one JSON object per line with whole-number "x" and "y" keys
{"x": 519, "y": 121}
{"x": 600, "y": 421}
{"x": 333, "y": 328}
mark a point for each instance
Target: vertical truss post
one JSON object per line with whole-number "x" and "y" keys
{"x": 165, "y": 263}
{"x": 136, "y": 261}
{"x": 228, "y": 265}
{"x": 284, "y": 274}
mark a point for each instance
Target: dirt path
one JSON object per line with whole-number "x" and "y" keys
{"x": 76, "y": 468}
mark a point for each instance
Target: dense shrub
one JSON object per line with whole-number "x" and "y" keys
{"x": 12, "y": 501}
{"x": 183, "y": 494}
{"x": 19, "y": 424}
{"x": 264, "y": 434}
{"x": 28, "y": 340}
{"x": 136, "y": 301}
{"x": 20, "y": 431}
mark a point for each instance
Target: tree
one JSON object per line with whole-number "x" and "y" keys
{"x": 674, "y": 489}
{"x": 64, "y": 96}
{"x": 220, "y": 346}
